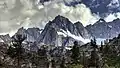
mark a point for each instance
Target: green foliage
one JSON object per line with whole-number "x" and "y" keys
{"x": 113, "y": 61}
{"x": 75, "y": 66}
{"x": 111, "y": 57}
{"x": 15, "y": 50}
{"x": 11, "y": 52}
{"x": 93, "y": 43}
{"x": 75, "y": 53}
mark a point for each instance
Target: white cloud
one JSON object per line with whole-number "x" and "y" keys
{"x": 78, "y": 13}
{"x": 114, "y": 4}
{"x": 111, "y": 17}
{"x": 26, "y": 13}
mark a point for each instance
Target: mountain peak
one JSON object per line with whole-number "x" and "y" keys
{"x": 101, "y": 20}
{"x": 78, "y": 23}
{"x": 60, "y": 18}
{"x": 21, "y": 30}
{"x": 61, "y": 22}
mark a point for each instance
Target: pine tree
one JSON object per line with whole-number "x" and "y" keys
{"x": 62, "y": 65}
{"x": 101, "y": 48}
{"x": 75, "y": 52}
{"x": 93, "y": 43}
{"x": 94, "y": 60}
{"x": 15, "y": 50}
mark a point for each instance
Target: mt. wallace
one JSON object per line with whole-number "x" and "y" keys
{"x": 61, "y": 31}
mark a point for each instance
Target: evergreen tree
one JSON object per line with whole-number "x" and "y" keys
{"x": 101, "y": 48}
{"x": 118, "y": 36}
{"x": 75, "y": 52}
{"x": 93, "y": 43}
{"x": 15, "y": 50}
{"x": 94, "y": 60}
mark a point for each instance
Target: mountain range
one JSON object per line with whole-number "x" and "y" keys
{"x": 61, "y": 31}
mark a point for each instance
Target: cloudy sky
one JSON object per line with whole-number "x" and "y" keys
{"x": 30, "y": 13}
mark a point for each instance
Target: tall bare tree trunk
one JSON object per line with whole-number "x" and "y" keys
{"x": 50, "y": 65}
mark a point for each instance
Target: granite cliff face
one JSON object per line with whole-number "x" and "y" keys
{"x": 102, "y": 29}
{"x": 61, "y": 28}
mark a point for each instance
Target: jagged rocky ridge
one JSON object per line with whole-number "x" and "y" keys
{"x": 61, "y": 31}
{"x": 31, "y": 33}
{"x": 102, "y": 29}
{"x": 5, "y": 38}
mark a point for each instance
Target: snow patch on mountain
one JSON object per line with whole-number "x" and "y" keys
{"x": 100, "y": 40}
{"x": 61, "y": 33}
{"x": 79, "y": 38}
